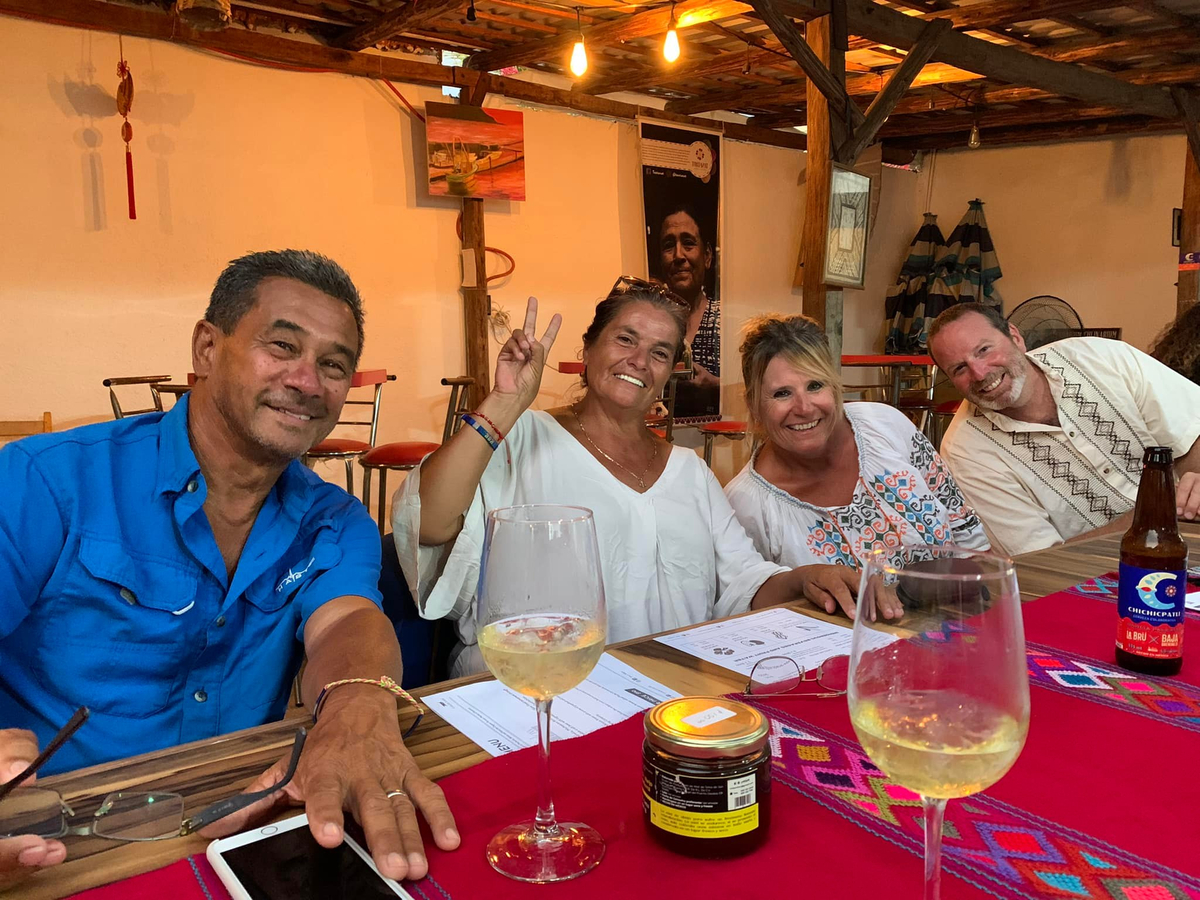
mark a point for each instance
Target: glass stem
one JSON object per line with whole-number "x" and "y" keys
{"x": 935, "y": 810}
{"x": 544, "y": 823}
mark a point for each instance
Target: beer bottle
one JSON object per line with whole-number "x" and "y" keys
{"x": 1153, "y": 576}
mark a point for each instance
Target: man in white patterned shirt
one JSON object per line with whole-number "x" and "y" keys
{"x": 1048, "y": 446}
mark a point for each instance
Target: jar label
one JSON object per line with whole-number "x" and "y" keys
{"x": 710, "y": 716}
{"x": 1151, "y": 604}
{"x": 702, "y": 807}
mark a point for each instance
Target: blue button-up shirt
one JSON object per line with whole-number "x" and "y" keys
{"x": 114, "y": 594}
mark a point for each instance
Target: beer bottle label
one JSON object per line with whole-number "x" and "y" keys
{"x": 1151, "y": 605}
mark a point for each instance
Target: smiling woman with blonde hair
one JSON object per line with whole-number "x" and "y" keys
{"x": 832, "y": 481}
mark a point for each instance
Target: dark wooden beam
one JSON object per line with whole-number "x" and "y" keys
{"x": 1041, "y": 134}
{"x": 885, "y": 25}
{"x": 726, "y": 63}
{"x": 1026, "y": 114}
{"x": 1188, "y": 111}
{"x": 643, "y": 24}
{"x": 897, "y": 86}
{"x": 941, "y": 99}
{"x": 397, "y": 21}
{"x": 794, "y": 93}
{"x": 1124, "y": 46}
{"x": 814, "y": 70}
{"x": 1188, "y": 283}
{"x": 154, "y": 23}
{"x": 995, "y": 13}
{"x": 1179, "y": 20}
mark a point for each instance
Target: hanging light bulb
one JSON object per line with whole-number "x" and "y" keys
{"x": 671, "y": 41}
{"x": 471, "y": 17}
{"x": 578, "y": 52}
{"x": 578, "y": 59}
{"x": 974, "y": 141}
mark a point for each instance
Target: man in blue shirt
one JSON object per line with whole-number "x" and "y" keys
{"x": 168, "y": 570}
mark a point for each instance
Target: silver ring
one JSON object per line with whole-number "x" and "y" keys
{"x": 391, "y": 794}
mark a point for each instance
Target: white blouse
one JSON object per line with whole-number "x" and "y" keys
{"x": 672, "y": 556}
{"x": 905, "y": 497}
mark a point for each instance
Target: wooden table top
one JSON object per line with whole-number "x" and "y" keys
{"x": 207, "y": 771}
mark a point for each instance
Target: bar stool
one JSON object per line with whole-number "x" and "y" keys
{"x": 152, "y": 380}
{"x": 404, "y": 456}
{"x": 347, "y": 449}
{"x": 729, "y": 428}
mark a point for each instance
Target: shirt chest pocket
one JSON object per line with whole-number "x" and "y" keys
{"x": 120, "y": 628}
{"x": 269, "y": 654}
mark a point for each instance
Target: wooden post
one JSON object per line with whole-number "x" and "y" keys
{"x": 1189, "y": 241}
{"x": 475, "y": 297}
{"x": 821, "y": 302}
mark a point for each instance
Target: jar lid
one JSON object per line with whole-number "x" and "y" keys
{"x": 706, "y": 727}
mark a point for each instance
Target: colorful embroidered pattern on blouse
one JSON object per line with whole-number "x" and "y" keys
{"x": 998, "y": 848}
{"x": 888, "y": 512}
{"x": 1164, "y": 699}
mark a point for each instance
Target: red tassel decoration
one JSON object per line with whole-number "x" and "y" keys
{"x": 129, "y": 181}
{"x": 124, "y": 104}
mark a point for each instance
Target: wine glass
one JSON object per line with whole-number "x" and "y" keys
{"x": 944, "y": 709}
{"x": 541, "y": 626}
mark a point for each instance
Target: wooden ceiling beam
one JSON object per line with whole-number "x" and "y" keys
{"x": 815, "y": 71}
{"x": 1007, "y": 64}
{"x": 155, "y": 24}
{"x": 1028, "y": 114}
{"x": 1179, "y": 20}
{"x": 643, "y": 24}
{"x": 1040, "y": 134}
{"x": 1189, "y": 109}
{"x": 727, "y": 63}
{"x": 922, "y": 102}
{"x": 794, "y": 92}
{"x": 1145, "y": 44}
{"x": 885, "y": 101}
{"x": 411, "y": 15}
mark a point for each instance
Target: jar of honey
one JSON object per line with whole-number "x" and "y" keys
{"x": 706, "y": 776}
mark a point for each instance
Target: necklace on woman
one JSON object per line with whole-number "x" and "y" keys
{"x": 640, "y": 479}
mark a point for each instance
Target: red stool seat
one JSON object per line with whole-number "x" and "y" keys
{"x": 948, "y": 407}
{"x": 331, "y": 446}
{"x": 725, "y": 427}
{"x": 399, "y": 454}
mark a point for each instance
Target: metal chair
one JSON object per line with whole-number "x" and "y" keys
{"x": 916, "y": 400}
{"x": 347, "y": 449}
{"x": 18, "y": 428}
{"x": 404, "y": 456}
{"x": 152, "y": 380}
{"x": 729, "y": 428}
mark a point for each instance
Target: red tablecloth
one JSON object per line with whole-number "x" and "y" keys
{"x": 1100, "y": 804}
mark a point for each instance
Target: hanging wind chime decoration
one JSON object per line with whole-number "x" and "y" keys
{"x": 124, "y": 104}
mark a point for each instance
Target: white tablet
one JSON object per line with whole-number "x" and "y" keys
{"x": 284, "y": 862}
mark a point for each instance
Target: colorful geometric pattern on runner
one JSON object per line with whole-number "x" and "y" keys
{"x": 1104, "y": 587}
{"x": 998, "y": 848}
{"x": 1173, "y": 702}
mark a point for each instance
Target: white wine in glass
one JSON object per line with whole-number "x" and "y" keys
{"x": 943, "y": 710}
{"x": 541, "y": 627}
